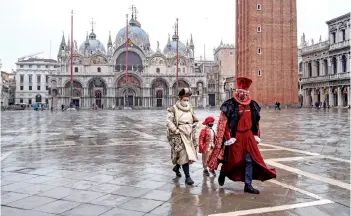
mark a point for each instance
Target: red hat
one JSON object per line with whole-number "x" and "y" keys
{"x": 208, "y": 120}
{"x": 243, "y": 83}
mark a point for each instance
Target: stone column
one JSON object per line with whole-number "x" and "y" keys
{"x": 348, "y": 96}
{"x": 347, "y": 62}
{"x": 339, "y": 64}
{"x": 331, "y": 96}
{"x": 339, "y": 96}
{"x": 304, "y": 99}
{"x": 330, "y": 68}
{"x": 321, "y": 68}
{"x": 314, "y": 68}
{"x": 313, "y": 95}
{"x": 322, "y": 95}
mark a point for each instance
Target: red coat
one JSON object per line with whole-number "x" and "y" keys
{"x": 204, "y": 139}
{"x": 245, "y": 143}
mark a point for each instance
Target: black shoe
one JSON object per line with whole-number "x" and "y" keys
{"x": 221, "y": 179}
{"x": 176, "y": 170}
{"x": 206, "y": 173}
{"x": 189, "y": 181}
{"x": 213, "y": 173}
{"x": 250, "y": 189}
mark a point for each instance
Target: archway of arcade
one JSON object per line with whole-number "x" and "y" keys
{"x": 160, "y": 93}
{"x": 128, "y": 94}
{"x": 76, "y": 93}
{"x": 97, "y": 90}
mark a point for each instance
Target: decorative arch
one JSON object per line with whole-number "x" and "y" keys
{"x": 135, "y": 62}
{"x": 76, "y": 84}
{"x": 77, "y": 88}
{"x": 133, "y": 80}
{"x": 182, "y": 61}
{"x": 97, "y": 84}
{"x": 98, "y": 60}
{"x": 200, "y": 87}
{"x": 159, "y": 84}
{"x": 77, "y": 59}
{"x": 182, "y": 84}
{"x": 38, "y": 98}
{"x": 158, "y": 60}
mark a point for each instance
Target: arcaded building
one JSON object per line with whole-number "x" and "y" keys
{"x": 326, "y": 65}
{"x": 266, "y": 49}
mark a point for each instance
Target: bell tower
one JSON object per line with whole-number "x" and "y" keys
{"x": 266, "y": 49}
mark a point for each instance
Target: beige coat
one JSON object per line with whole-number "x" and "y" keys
{"x": 181, "y": 133}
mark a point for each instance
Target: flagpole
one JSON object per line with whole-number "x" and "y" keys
{"x": 71, "y": 57}
{"x": 177, "y": 57}
{"x": 127, "y": 41}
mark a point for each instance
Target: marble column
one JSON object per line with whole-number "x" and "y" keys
{"x": 321, "y": 68}
{"x": 348, "y": 96}
{"x": 313, "y": 95}
{"x": 314, "y": 68}
{"x": 339, "y": 64}
{"x": 331, "y": 96}
{"x": 330, "y": 66}
{"x": 340, "y": 101}
{"x": 304, "y": 99}
{"x": 322, "y": 95}
{"x": 347, "y": 62}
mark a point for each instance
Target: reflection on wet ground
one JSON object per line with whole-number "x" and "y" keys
{"x": 118, "y": 163}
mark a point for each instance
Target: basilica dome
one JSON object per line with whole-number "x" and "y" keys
{"x": 171, "y": 47}
{"x": 91, "y": 45}
{"x": 136, "y": 34}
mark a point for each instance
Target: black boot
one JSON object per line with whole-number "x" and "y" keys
{"x": 176, "y": 170}
{"x": 250, "y": 189}
{"x": 188, "y": 179}
{"x": 221, "y": 178}
{"x": 206, "y": 173}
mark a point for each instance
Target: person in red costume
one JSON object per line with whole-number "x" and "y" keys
{"x": 207, "y": 142}
{"x": 237, "y": 140}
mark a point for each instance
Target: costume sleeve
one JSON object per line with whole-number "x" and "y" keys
{"x": 170, "y": 120}
{"x": 202, "y": 140}
{"x": 258, "y": 131}
{"x": 223, "y": 131}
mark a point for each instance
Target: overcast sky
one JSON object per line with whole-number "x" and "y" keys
{"x": 28, "y": 26}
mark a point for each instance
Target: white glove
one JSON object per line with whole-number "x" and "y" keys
{"x": 257, "y": 139}
{"x": 229, "y": 142}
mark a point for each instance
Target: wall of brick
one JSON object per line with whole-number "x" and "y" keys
{"x": 278, "y": 43}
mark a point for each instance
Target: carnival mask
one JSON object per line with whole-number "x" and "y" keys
{"x": 242, "y": 94}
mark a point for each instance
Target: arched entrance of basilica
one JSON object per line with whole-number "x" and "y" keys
{"x": 128, "y": 93}
{"x": 159, "y": 96}
{"x": 160, "y": 93}
{"x": 344, "y": 96}
{"x": 97, "y": 90}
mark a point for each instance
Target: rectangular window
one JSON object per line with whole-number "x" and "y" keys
{"x": 21, "y": 66}
{"x": 21, "y": 88}
{"x": 30, "y": 88}
{"x": 333, "y": 37}
{"x": 38, "y": 66}
{"x": 38, "y": 88}
{"x": 46, "y": 66}
{"x": 29, "y": 101}
{"x": 47, "y": 88}
{"x": 30, "y": 66}
{"x": 259, "y": 73}
{"x": 259, "y": 51}
{"x": 21, "y": 78}
{"x": 21, "y": 100}
{"x": 46, "y": 79}
{"x": 30, "y": 78}
{"x": 259, "y": 29}
{"x": 343, "y": 34}
{"x": 38, "y": 78}
{"x": 258, "y": 7}
{"x": 47, "y": 101}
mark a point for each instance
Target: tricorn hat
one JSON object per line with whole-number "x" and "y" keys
{"x": 243, "y": 83}
{"x": 185, "y": 92}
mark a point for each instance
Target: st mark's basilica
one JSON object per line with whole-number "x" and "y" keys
{"x": 99, "y": 73}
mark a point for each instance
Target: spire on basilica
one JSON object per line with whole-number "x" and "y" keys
{"x": 191, "y": 41}
{"x": 133, "y": 20}
{"x": 62, "y": 46}
{"x": 109, "y": 43}
{"x": 68, "y": 42}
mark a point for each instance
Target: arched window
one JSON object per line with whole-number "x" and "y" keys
{"x": 76, "y": 69}
{"x": 259, "y": 73}
{"x": 300, "y": 67}
{"x": 309, "y": 69}
{"x": 334, "y": 63}
{"x": 258, "y": 7}
{"x": 317, "y": 67}
{"x": 344, "y": 63}
{"x": 325, "y": 67}
{"x": 259, "y": 29}
{"x": 157, "y": 70}
{"x": 259, "y": 51}
{"x": 99, "y": 69}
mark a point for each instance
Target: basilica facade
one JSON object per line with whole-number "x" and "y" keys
{"x": 99, "y": 73}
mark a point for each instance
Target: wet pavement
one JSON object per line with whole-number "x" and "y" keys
{"x": 118, "y": 163}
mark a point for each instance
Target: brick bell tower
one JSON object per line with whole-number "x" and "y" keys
{"x": 266, "y": 49}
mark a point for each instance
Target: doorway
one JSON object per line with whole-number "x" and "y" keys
{"x": 98, "y": 97}
{"x": 212, "y": 99}
{"x": 75, "y": 102}
{"x": 159, "y": 95}
{"x": 130, "y": 99}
